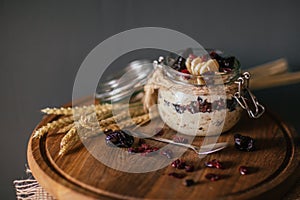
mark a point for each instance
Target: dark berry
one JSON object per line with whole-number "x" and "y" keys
{"x": 179, "y": 109}
{"x": 179, "y": 164}
{"x": 189, "y": 182}
{"x": 224, "y": 62}
{"x": 214, "y": 164}
{"x": 189, "y": 168}
{"x": 175, "y": 163}
{"x": 120, "y": 139}
{"x": 205, "y": 106}
{"x": 168, "y": 153}
{"x": 214, "y": 55}
{"x": 177, "y": 175}
{"x": 228, "y": 62}
{"x": 244, "y": 143}
{"x": 179, "y": 64}
{"x": 199, "y": 99}
{"x": 179, "y": 139}
{"x": 193, "y": 107}
{"x": 212, "y": 177}
{"x": 243, "y": 170}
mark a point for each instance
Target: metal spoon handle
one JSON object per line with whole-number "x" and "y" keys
{"x": 205, "y": 149}
{"x": 175, "y": 143}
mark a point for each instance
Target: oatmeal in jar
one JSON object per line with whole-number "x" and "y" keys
{"x": 199, "y": 95}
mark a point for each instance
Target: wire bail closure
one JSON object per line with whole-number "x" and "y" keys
{"x": 255, "y": 110}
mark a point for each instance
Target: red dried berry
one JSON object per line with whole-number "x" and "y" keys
{"x": 243, "y": 170}
{"x": 181, "y": 165}
{"x": 175, "y": 163}
{"x": 185, "y": 71}
{"x": 155, "y": 149}
{"x": 212, "y": 177}
{"x": 145, "y": 146}
{"x": 144, "y": 149}
{"x": 214, "y": 164}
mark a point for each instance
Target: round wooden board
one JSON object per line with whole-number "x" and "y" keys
{"x": 78, "y": 175}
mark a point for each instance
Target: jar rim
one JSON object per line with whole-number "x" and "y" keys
{"x": 228, "y": 76}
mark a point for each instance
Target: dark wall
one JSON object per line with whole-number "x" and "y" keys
{"x": 42, "y": 44}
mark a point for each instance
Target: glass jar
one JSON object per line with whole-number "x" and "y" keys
{"x": 203, "y": 105}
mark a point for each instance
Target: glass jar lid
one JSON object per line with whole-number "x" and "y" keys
{"x": 126, "y": 82}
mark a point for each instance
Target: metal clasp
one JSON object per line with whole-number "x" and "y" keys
{"x": 255, "y": 110}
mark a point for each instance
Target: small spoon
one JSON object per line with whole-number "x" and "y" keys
{"x": 203, "y": 150}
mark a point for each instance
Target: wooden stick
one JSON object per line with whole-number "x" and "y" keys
{"x": 276, "y": 80}
{"x": 276, "y": 67}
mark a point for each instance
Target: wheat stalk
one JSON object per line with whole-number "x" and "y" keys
{"x": 70, "y": 111}
{"x": 121, "y": 116}
{"x": 52, "y": 125}
{"x": 99, "y": 108}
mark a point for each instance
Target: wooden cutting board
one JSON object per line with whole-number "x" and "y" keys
{"x": 78, "y": 175}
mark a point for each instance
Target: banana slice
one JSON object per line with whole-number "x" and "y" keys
{"x": 210, "y": 66}
{"x": 194, "y": 63}
{"x": 188, "y": 64}
{"x": 196, "y": 66}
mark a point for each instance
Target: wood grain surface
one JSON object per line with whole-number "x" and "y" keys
{"x": 78, "y": 175}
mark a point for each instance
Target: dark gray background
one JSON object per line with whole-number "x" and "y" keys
{"x": 42, "y": 44}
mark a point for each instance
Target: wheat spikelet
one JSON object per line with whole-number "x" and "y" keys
{"x": 121, "y": 116}
{"x": 66, "y": 128}
{"x": 68, "y": 141}
{"x": 57, "y": 111}
{"x": 129, "y": 122}
{"x": 103, "y": 113}
{"x": 99, "y": 108}
{"x": 69, "y": 110}
{"x": 52, "y": 125}
{"x": 88, "y": 122}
